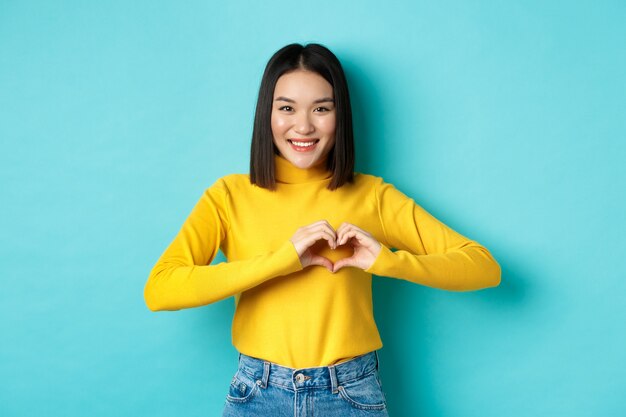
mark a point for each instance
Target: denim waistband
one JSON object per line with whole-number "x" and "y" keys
{"x": 332, "y": 376}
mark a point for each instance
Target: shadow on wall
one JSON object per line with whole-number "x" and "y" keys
{"x": 406, "y": 357}
{"x": 368, "y": 125}
{"x": 406, "y": 365}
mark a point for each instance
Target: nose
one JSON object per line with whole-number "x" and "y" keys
{"x": 304, "y": 126}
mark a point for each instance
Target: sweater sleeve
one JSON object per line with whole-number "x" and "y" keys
{"x": 428, "y": 252}
{"x": 183, "y": 278}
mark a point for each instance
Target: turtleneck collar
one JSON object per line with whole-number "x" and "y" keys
{"x": 288, "y": 173}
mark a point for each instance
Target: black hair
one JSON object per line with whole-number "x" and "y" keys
{"x": 318, "y": 59}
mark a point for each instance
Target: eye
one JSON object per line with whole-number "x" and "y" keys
{"x": 285, "y": 108}
{"x": 322, "y": 109}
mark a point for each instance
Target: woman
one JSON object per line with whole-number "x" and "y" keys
{"x": 303, "y": 235}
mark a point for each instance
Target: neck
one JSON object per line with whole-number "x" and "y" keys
{"x": 288, "y": 173}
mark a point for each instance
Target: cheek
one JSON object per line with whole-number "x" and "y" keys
{"x": 328, "y": 126}
{"x": 278, "y": 124}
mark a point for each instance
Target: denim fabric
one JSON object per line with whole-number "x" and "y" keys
{"x": 349, "y": 389}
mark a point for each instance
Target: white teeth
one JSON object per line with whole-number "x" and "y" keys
{"x": 303, "y": 144}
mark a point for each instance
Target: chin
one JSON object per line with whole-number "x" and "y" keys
{"x": 302, "y": 162}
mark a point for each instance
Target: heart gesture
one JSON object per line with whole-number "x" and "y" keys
{"x": 366, "y": 247}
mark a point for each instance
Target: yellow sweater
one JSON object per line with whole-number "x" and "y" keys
{"x": 307, "y": 317}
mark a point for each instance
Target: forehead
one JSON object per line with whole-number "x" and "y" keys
{"x": 302, "y": 84}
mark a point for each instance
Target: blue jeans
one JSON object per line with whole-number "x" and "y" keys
{"x": 349, "y": 389}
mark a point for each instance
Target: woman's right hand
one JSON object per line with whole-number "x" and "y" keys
{"x": 306, "y": 236}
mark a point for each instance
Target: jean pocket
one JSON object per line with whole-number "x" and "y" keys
{"x": 365, "y": 393}
{"x": 242, "y": 388}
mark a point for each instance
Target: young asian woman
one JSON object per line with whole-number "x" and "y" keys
{"x": 303, "y": 234}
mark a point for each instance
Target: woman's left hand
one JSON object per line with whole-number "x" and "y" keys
{"x": 366, "y": 247}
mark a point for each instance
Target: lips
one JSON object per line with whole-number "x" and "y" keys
{"x": 303, "y": 145}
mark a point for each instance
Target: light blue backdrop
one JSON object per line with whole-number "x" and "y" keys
{"x": 504, "y": 119}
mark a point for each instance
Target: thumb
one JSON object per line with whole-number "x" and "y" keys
{"x": 343, "y": 263}
{"x": 321, "y": 261}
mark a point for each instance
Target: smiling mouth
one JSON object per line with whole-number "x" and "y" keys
{"x": 303, "y": 145}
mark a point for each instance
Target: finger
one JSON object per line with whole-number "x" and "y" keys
{"x": 319, "y": 223}
{"x": 363, "y": 238}
{"x": 324, "y": 227}
{"x": 341, "y": 231}
{"x": 346, "y": 227}
{"x": 321, "y": 261}
{"x": 304, "y": 241}
{"x": 314, "y": 223}
{"x": 330, "y": 236}
{"x": 349, "y": 234}
{"x": 351, "y": 261}
{"x": 342, "y": 227}
{"x": 331, "y": 232}
{"x": 326, "y": 235}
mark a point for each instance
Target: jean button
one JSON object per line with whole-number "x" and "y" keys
{"x": 299, "y": 378}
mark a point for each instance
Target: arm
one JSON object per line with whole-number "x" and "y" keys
{"x": 429, "y": 252}
{"x": 183, "y": 278}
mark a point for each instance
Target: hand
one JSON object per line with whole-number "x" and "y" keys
{"x": 366, "y": 247}
{"x": 306, "y": 236}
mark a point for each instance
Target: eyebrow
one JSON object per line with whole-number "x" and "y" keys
{"x": 319, "y": 100}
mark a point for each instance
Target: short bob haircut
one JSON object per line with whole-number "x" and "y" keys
{"x": 315, "y": 58}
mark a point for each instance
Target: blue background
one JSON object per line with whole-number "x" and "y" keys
{"x": 503, "y": 119}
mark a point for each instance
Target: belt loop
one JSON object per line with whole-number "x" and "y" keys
{"x": 333, "y": 379}
{"x": 266, "y": 374}
{"x": 376, "y": 353}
